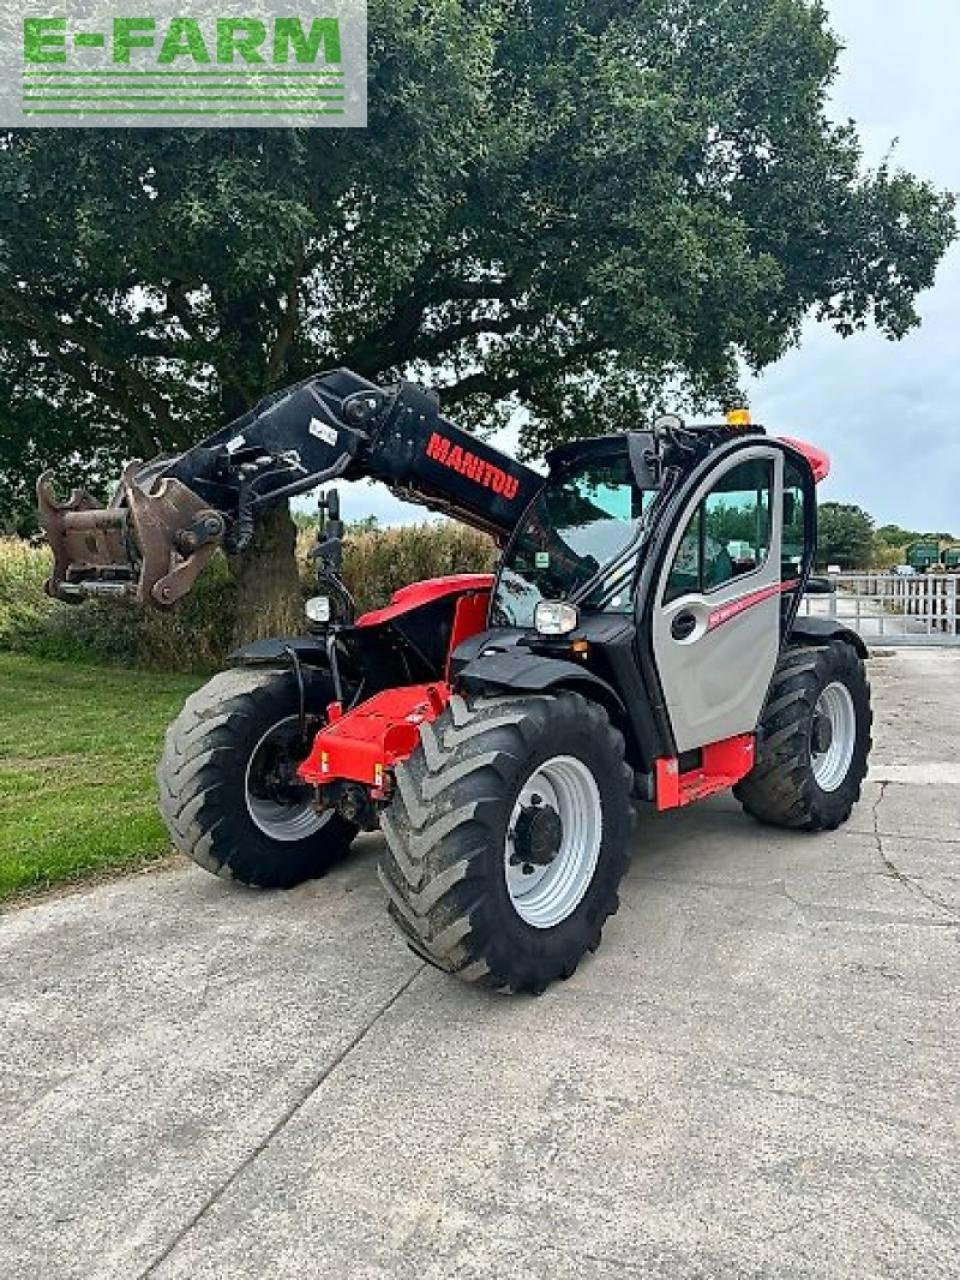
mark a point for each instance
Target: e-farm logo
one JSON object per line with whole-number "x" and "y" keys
{"x": 100, "y": 67}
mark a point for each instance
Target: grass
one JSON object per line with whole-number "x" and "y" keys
{"x": 78, "y": 748}
{"x": 199, "y": 632}
{"x": 79, "y": 740}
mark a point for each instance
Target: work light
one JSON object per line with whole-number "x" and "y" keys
{"x": 317, "y": 609}
{"x": 555, "y": 617}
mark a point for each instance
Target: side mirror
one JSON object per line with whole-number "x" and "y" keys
{"x": 820, "y": 587}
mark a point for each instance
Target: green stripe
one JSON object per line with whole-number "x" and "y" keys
{"x": 173, "y": 97}
{"x": 176, "y": 111}
{"x": 33, "y": 90}
{"x": 30, "y": 75}
{"x": 322, "y": 82}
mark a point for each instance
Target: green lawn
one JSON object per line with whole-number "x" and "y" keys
{"x": 78, "y": 747}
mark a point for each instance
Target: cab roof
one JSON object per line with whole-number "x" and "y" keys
{"x": 638, "y": 445}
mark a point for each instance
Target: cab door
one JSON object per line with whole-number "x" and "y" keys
{"x": 716, "y": 610}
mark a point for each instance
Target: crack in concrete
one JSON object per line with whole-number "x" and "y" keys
{"x": 894, "y": 871}
{"x": 607, "y": 1261}
{"x": 802, "y": 907}
{"x": 938, "y": 840}
{"x": 812, "y": 913}
{"x": 721, "y": 1074}
{"x": 767, "y": 888}
{"x": 840, "y": 1105}
{"x": 258, "y": 1150}
{"x": 802, "y": 1224}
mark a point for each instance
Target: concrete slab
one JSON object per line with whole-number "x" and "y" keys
{"x": 755, "y": 1076}
{"x": 152, "y": 1035}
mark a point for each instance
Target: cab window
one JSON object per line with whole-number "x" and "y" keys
{"x": 582, "y": 519}
{"x": 793, "y": 538}
{"x": 728, "y": 536}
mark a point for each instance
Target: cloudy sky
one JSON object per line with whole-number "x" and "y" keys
{"x": 889, "y": 413}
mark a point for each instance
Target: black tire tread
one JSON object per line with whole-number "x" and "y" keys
{"x": 780, "y": 790}
{"x": 438, "y": 827}
{"x": 195, "y": 799}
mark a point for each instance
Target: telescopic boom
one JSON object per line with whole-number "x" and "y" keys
{"x": 168, "y": 516}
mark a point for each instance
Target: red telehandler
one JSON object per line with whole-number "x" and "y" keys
{"x": 639, "y": 643}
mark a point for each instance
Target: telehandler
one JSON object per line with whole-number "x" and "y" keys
{"x": 639, "y": 643}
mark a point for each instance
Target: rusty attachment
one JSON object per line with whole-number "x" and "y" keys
{"x": 151, "y": 544}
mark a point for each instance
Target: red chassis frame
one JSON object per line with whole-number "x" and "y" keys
{"x": 362, "y": 745}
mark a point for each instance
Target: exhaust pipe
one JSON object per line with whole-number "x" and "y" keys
{"x": 150, "y": 542}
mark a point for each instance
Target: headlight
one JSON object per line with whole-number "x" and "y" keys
{"x": 555, "y": 617}
{"x": 317, "y": 608}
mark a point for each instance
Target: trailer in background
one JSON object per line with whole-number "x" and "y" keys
{"x": 923, "y": 554}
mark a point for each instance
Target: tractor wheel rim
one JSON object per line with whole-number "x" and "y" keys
{"x": 284, "y": 822}
{"x": 546, "y": 895}
{"x": 831, "y": 766}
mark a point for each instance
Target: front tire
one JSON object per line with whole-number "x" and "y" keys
{"x": 508, "y": 837}
{"x": 814, "y": 740}
{"x": 226, "y": 792}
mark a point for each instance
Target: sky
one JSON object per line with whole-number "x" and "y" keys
{"x": 887, "y": 412}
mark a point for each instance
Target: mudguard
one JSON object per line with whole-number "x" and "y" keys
{"x": 273, "y": 652}
{"x": 533, "y": 673}
{"x": 822, "y": 630}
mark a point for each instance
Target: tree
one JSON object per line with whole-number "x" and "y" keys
{"x": 585, "y": 209}
{"x": 896, "y": 536}
{"x": 891, "y": 542}
{"x": 845, "y": 535}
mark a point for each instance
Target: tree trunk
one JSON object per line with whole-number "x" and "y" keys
{"x": 269, "y": 597}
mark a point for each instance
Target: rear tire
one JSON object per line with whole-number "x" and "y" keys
{"x": 493, "y": 778}
{"x": 216, "y": 795}
{"x": 814, "y": 740}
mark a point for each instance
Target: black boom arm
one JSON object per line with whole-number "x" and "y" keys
{"x": 169, "y": 516}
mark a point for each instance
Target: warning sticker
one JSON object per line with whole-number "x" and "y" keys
{"x": 320, "y": 429}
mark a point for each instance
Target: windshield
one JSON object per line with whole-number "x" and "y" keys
{"x": 581, "y": 520}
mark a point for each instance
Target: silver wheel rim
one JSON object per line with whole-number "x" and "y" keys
{"x": 546, "y": 895}
{"x": 830, "y": 767}
{"x": 284, "y": 822}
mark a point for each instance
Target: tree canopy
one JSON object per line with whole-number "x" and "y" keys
{"x": 895, "y": 536}
{"x": 844, "y": 535}
{"x": 585, "y": 208}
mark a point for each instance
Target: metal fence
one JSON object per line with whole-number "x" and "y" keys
{"x": 887, "y": 609}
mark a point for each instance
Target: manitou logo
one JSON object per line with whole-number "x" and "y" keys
{"x": 440, "y": 449}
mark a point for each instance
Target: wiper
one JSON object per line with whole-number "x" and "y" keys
{"x": 623, "y": 556}
{"x": 616, "y": 584}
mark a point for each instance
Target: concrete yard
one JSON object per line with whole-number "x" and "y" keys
{"x": 758, "y": 1074}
